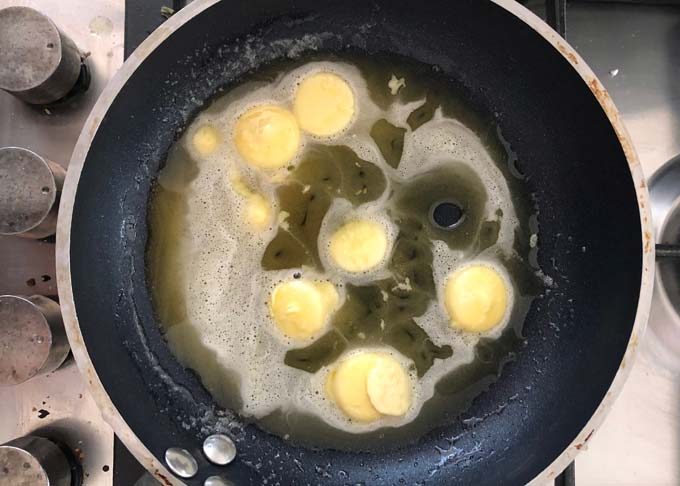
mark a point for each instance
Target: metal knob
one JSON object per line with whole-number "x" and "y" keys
{"x": 38, "y": 63}
{"x": 32, "y": 338}
{"x": 33, "y": 461}
{"x": 181, "y": 462}
{"x": 30, "y": 186}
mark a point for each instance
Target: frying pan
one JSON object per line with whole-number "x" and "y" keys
{"x": 580, "y": 167}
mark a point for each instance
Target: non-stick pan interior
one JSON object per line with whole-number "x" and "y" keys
{"x": 576, "y": 333}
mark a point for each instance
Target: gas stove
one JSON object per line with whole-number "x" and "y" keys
{"x": 633, "y": 47}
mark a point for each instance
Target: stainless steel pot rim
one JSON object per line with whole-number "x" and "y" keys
{"x": 113, "y": 417}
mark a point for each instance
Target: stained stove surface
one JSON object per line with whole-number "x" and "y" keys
{"x": 634, "y": 49}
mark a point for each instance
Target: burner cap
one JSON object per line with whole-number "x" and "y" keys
{"x": 32, "y": 338}
{"x": 38, "y": 63}
{"x": 29, "y": 186}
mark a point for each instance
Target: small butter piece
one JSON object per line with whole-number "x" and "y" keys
{"x": 346, "y": 386}
{"x": 206, "y": 140}
{"x": 476, "y": 298}
{"x": 395, "y": 84}
{"x": 258, "y": 211}
{"x": 324, "y": 104}
{"x": 358, "y": 245}
{"x": 389, "y": 387}
{"x": 267, "y": 136}
{"x": 300, "y": 308}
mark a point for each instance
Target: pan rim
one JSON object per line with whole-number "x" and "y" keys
{"x": 63, "y": 240}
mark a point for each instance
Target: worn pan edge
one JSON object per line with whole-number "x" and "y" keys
{"x": 87, "y": 370}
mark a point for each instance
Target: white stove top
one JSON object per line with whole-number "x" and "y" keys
{"x": 634, "y": 49}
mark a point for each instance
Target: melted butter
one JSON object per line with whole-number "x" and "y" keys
{"x": 395, "y": 311}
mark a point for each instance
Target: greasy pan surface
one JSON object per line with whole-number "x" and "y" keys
{"x": 566, "y": 147}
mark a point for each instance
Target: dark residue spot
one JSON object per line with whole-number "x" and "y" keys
{"x": 390, "y": 141}
{"x": 42, "y": 413}
{"x": 30, "y": 282}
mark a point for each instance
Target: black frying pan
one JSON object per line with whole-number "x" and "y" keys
{"x": 566, "y": 145}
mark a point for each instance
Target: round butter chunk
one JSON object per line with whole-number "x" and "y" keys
{"x": 347, "y": 387}
{"x": 389, "y": 387}
{"x": 267, "y": 136}
{"x": 206, "y": 140}
{"x": 476, "y": 298}
{"x": 358, "y": 245}
{"x": 300, "y": 308}
{"x": 324, "y": 104}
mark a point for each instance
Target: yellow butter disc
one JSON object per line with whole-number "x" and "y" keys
{"x": 324, "y": 104}
{"x": 358, "y": 245}
{"x": 301, "y": 308}
{"x": 389, "y": 387}
{"x": 347, "y": 385}
{"x": 267, "y": 136}
{"x": 476, "y": 298}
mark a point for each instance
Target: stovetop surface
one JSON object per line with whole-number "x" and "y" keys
{"x": 634, "y": 49}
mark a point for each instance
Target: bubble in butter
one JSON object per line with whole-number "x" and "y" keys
{"x": 368, "y": 385}
{"x": 301, "y": 308}
{"x": 476, "y": 298}
{"x": 267, "y": 136}
{"x": 324, "y": 104}
{"x": 358, "y": 245}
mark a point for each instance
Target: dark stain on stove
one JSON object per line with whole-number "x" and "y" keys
{"x": 45, "y": 278}
{"x": 80, "y": 395}
{"x": 30, "y": 282}
{"x": 42, "y": 413}
{"x": 162, "y": 477}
